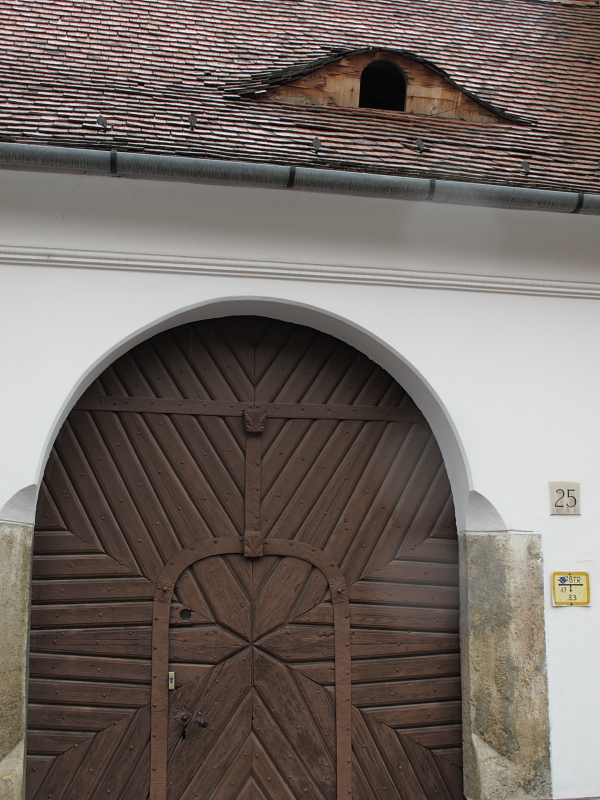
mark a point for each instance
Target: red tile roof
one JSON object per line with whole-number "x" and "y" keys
{"x": 146, "y": 66}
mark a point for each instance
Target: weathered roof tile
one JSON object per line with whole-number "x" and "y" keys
{"x": 145, "y": 66}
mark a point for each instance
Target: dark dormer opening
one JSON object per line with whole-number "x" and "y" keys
{"x": 382, "y": 85}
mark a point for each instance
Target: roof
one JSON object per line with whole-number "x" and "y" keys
{"x": 145, "y": 67}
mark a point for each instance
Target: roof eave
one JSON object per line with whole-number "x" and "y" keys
{"x": 176, "y": 168}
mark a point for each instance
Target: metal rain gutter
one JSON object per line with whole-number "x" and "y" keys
{"x": 199, "y": 170}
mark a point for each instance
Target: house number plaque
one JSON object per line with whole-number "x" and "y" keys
{"x": 564, "y": 498}
{"x": 570, "y": 588}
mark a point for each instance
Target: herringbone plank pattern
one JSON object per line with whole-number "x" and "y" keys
{"x": 124, "y": 491}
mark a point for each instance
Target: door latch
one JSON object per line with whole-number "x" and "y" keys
{"x": 185, "y": 717}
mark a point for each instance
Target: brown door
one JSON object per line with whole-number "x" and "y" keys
{"x": 259, "y": 511}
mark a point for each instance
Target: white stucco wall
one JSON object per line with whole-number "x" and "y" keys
{"x": 503, "y": 360}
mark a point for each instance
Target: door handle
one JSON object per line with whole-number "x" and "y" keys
{"x": 185, "y": 717}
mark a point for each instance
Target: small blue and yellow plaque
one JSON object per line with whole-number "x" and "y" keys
{"x": 570, "y": 588}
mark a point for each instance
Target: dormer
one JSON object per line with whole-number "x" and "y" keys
{"x": 389, "y": 81}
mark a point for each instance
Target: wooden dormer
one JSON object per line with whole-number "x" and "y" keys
{"x": 421, "y": 88}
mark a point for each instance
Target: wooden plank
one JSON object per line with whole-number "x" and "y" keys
{"x": 161, "y": 529}
{"x": 132, "y": 525}
{"x": 35, "y": 771}
{"x": 62, "y": 771}
{"x": 78, "y": 666}
{"x": 284, "y": 758}
{"x": 279, "y": 594}
{"x": 404, "y": 618}
{"x": 405, "y": 668}
{"x": 300, "y": 642}
{"x": 302, "y": 479}
{"x": 87, "y": 693}
{"x": 433, "y": 504}
{"x": 102, "y": 749}
{"x": 390, "y": 514}
{"x": 82, "y": 615}
{"x": 74, "y": 718}
{"x": 164, "y": 481}
{"x": 213, "y": 439}
{"x": 378, "y": 502}
{"x": 425, "y": 767}
{"x": 193, "y": 473}
{"x": 78, "y": 566}
{"x": 53, "y": 743}
{"x": 91, "y": 615}
{"x": 60, "y": 591}
{"x": 236, "y": 776}
{"x": 72, "y": 515}
{"x": 413, "y": 714}
{"x": 370, "y": 756}
{"x": 436, "y": 736}
{"x": 290, "y": 362}
{"x": 228, "y": 766}
{"x": 280, "y": 694}
{"x": 375, "y": 644}
{"x": 452, "y": 776}
{"x": 398, "y": 594}
{"x": 394, "y": 757}
{"x": 119, "y": 642}
{"x": 229, "y": 601}
{"x": 125, "y": 757}
{"x": 321, "y": 708}
{"x": 206, "y": 349}
{"x": 47, "y": 515}
{"x": 398, "y": 692}
{"x": 62, "y": 542}
{"x": 130, "y": 671}
{"x": 451, "y": 754}
{"x": 125, "y": 376}
{"x": 443, "y": 550}
{"x": 227, "y": 436}
{"x": 222, "y": 696}
{"x": 233, "y": 363}
{"x": 445, "y": 526}
{"x": 416, "y": 572}
{"x": 360, "y": 784}
{"x": 207, "y": 644}
{"x": 88, "y": 496}
{"x": 267, "y": 776}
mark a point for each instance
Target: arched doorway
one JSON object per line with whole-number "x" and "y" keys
{"x": 245, "y": 523}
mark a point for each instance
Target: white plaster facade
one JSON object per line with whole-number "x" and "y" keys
{"x": 489, "y": 318}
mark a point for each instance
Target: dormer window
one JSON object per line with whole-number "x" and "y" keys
{"x": 393, "y": 82}
{"x": 382, "y": 85}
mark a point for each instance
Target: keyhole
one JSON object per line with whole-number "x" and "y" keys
{"x": 185, "y": 614}
{"x": 183, "y": 734}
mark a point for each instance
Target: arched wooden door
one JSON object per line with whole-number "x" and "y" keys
{"x": 259, "y": 513}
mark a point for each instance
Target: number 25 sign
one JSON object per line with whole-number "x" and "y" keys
{"x": 564, "y": 498}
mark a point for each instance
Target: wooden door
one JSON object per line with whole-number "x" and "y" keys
{"x": 261, "y": 511}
